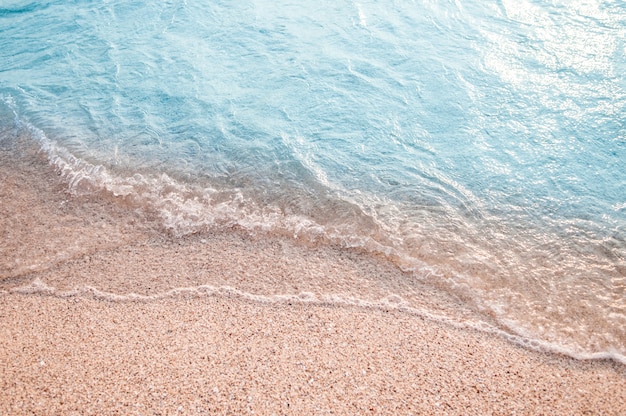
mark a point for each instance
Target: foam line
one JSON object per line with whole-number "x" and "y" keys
{"x": 388, "y": 303}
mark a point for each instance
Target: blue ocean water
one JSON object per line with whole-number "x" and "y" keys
{"x": 481, "y": 145}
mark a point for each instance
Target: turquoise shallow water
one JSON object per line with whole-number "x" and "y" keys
{"x": 479, "y": 145}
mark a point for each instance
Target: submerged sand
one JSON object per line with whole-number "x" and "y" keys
{"x": 102, "y": 312}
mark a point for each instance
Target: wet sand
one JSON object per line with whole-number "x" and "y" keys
{"x": 103, "y": 312}
{"x": 227, "y": 355}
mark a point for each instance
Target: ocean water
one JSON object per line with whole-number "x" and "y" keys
{"x": 479, "y": 145}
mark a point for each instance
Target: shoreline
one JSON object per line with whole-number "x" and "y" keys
{"x": 221, "y": 351}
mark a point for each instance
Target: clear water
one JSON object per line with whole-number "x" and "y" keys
{"x": 481, "y": 145}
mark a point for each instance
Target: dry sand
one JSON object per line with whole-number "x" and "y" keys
{"x": 91, "y": 323}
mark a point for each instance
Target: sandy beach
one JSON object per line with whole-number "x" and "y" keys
{"x": 102, "y": 312}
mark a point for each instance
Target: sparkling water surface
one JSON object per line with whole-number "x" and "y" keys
{"x": 481, "y": 145}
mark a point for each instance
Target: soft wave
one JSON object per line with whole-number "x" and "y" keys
{"x": 186, "y": 208}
